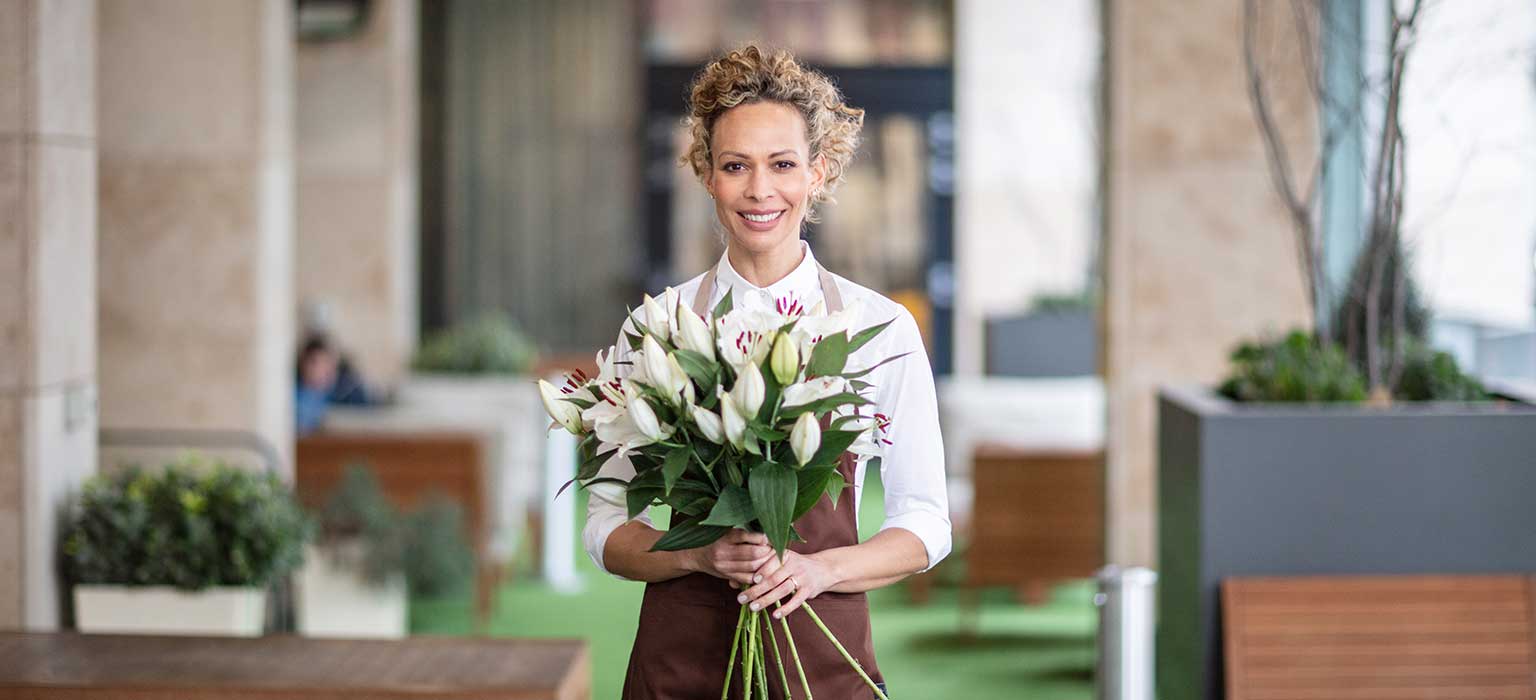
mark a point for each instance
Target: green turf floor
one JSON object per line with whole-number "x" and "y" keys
{"x": 1040, "y": 652}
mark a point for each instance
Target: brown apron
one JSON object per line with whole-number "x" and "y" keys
{"x": 686, "y": 623}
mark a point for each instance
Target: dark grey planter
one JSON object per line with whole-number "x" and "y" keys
{"x": 1044, "y": 344}
{"x": 1282, "y": 489}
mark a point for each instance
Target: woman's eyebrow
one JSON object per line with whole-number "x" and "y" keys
{"x": 775, "y": 154}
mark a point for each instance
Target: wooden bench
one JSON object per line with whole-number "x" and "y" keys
{"x": 67, "y": 666}
{"x": 1380, "y": 638}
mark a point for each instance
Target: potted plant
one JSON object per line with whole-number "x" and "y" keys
{"x": 370, "y": 558}
{"x": 188, "y": 549}
{"x": 1348, "y": 448}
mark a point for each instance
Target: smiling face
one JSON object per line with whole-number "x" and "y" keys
{"x": 762, "y": 176}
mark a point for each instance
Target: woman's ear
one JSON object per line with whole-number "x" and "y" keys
{"x": 818, "y": 173}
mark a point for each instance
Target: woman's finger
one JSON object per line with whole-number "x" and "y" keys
{"x": 793, "y": 602}
{"x": 784, "y": 588}
{"x": 766, "y": 581}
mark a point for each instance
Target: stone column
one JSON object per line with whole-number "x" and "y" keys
{"x": 47, "y": 290}
{"x": 1199, "y": 254}
{"x": 357, "y": 186}
{"x": 196, "y": 255}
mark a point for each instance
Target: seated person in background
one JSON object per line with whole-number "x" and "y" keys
{"x": 324, "y": 377}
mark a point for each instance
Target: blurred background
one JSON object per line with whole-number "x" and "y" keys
{"x": 334, "y": 242}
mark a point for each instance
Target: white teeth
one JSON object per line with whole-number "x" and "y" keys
{"x": 762, "y": 218}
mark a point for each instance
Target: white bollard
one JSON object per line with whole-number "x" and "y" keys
{"x": 1127, "y": 604}
{"x": 559, "y": 565}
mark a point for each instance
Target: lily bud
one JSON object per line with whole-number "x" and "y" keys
{"x": 677, "y": 379}
{"x": 749, "y": 390}
{"x": 805, "y": 438}
{"x": 785, "y": 360}
{"x": 709, "y": 424}
{"x": 656, "y": 318}
{"x": 645, "y": 418}
{"x": 693, "y": 333}
{"x": 730, "y": 419}
{"x": 564, "y": 412}
{"x": 657, "y": 373}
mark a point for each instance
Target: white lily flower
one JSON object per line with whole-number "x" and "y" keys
{"x": 678, "y": 381}
{"x": 784, "y": 359}
{"x": 812, "y": 390}
{"x": 645, "y": 419}
{"x": 745, "y": 337}
{"x": 656, "y": 319}
{"x": 564, "y": 412}
{"x": 693, "y": 333}
{"x": 730, "y": 418}
{"x": 805, "y": 438}
{"x": 749, "y": 390}
{"x": 709, "y": 424}
{"x": 658, "y": 372}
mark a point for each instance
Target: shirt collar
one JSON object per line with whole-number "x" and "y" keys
{"x": 802, "y": 283}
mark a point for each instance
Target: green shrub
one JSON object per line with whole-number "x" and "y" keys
{"x": 426, "y": 545}
{"x": 488, "y": 344}
{"x": 1434, "y": 376}
{"x": 1065, "y": 303}
{"x": 1293, "y": 369}
{"x": 190, "y": 525}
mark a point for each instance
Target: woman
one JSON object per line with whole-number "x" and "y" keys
{"x": 770, "y": 142}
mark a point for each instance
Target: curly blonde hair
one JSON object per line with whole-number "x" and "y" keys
{"x": 751, "y": 74}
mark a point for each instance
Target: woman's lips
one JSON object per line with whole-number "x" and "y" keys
{"x": 759, "y": 220}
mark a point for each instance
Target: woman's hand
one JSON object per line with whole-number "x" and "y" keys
{"x": 734, "y": 557}
{"x": 799, "y": 576}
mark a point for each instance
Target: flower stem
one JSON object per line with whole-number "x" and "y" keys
{"x": 762, "y": 658}
{"x": 789, "y": 637}
{"x": 778, "y": 660}
{"x": 741, "y": 617}
{"x": 846, "y": 656}
{"x": 750, "y": 643}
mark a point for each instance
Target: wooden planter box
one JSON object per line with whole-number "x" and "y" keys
{"x": 222, "y": 611}
{"x": 1284, "y": 489}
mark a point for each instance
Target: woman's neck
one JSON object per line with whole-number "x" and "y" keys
{"x": 769, "y": 267}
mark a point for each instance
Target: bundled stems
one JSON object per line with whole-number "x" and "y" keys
{"x": 846, "y": 656}
{"x": 735, "y": 643}
{"x": 778, "y": 660}
{"x": 795, "y": 654}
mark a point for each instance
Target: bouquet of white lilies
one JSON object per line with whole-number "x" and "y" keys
{"x": 734, "y": 421}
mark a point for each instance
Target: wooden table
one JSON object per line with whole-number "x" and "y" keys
{"x": 67, "y": 665}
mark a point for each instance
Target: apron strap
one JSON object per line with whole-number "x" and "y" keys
{"x": 829, "y": 292}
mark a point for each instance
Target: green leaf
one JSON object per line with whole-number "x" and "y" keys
{"x": 673, "y": 467}
{"x": 866, "y": 335}
{"x": 766, "y": 433}
{"x": 833, "y": 444}
{"x": 773, "y": 489}
{"x": 694, "y": 505}
{"x": 700, "y": 369}
{"x": 635, "y": 340}
{"x": 688, "y": 535}
{"x": 724, "y": 307}
{"x": 860, "y": 373}
{"x": 829, "y": 356}
{"x": 834, "y": 488}
{"x": 638, "y": 500}
{"x": 592, "y": 465}
{"x": 811, "y": 485}
{"x": 846, "y": 398}
{"x": 733, "y": 509}
{"x": 771, "y": 390}
{"x": 859, "y": 385}
{"x": 582, "y": 404}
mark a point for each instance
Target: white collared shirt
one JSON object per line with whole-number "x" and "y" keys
{"x": 912, "y": 467}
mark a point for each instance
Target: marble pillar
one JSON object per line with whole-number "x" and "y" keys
{"x": 196, "y": 309}
{"x": 48, "y": 147}
{"x": 356, "y": 162}
{"x": 1198, "y": 250}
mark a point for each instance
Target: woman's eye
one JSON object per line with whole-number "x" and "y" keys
{"x": 732, "y": 167}
{"x": 784, "y": 164}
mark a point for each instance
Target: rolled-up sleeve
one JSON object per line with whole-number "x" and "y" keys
{"x": 606, "y": 508}
{"x": 912, "y": 467}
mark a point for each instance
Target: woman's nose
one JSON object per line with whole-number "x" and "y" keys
{"x": 757, "y": 185}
